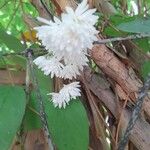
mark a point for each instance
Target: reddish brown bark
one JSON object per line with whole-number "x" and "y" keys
{"x": 31, "y": 140}
{"x": 100, "y": 87}
{"x": 35, "y": 140}
{"x": 120, "y": 73}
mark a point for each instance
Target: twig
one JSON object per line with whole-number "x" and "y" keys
{"x": 27, "y": 88}
{"x": 34, "y": 111}
{"x": 40, "y": 100}
{"x": 23, "y": 53}
{"x": 130, "y": 37}
{"x": 135, "y": 114}
{"x": 103, "y": 41}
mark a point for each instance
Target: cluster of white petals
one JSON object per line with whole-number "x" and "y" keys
{"x": 67, "y": 40}
{"x": 49, "y": 65}
{"x": 68, "y": 92}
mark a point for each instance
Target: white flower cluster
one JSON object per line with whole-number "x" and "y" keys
{"x": 67, "y": 40}
{"x": 70, "y": 91}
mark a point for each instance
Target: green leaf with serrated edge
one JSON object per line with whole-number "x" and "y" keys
{"x": 12, "y": 108}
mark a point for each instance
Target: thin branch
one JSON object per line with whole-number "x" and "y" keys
{"x": 40, "y": 100}
{"x": 103, "y": 41}
{"x": 130, "y": 37}
{"x": 39, "y": 52}
{"x": 135, "y": 114}
{"x": 33, "y": 110}
{"x": 27, "y": 87}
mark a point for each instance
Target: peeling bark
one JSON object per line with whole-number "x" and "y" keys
{"x": 99, "y": 86}
{"x": 120, "y": 73}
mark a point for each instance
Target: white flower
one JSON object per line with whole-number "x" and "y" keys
{"x": 74, "y": 32}
{"x": 53, "y": 66}
{"x": 49, "y": 65}
{"x": 68, "y": 92}
{"x": 68, "y": 39}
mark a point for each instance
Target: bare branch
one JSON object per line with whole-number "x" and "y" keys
{"x": 130, "y": 37}
{"x": 37, "y": 52}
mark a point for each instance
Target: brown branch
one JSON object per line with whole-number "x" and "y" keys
{"x": 97, "y": 117}
{"x": 100, "y": 87}
{"x": 35, "y": 139}
{"x": 119, "y": 73}
{"x": 135, "y": 114}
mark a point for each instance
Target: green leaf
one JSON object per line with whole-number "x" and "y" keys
{"x": 115, "y": 20}
{"x": 16, "y": 60}
{"x": 10, "y": 41}
{"x": 45, "y": 82}
{"x": 31, "y": 119}
{"x": 69, "y": 126}
{"x": 139, "y": 25}
{"x": 12, "y": 108}
{"x": 144, "y": 44}
{"x": 145, "y": 69}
